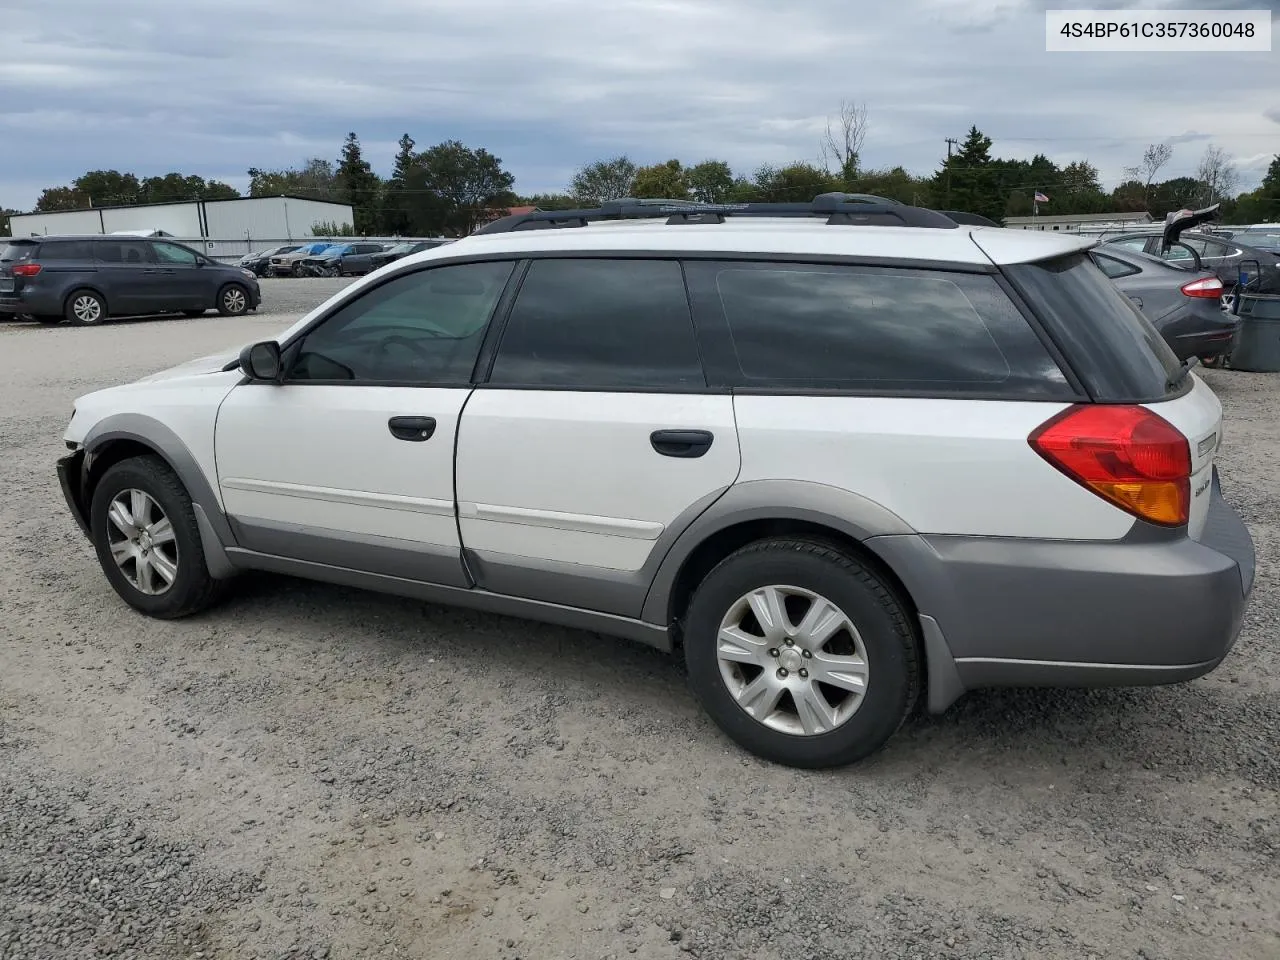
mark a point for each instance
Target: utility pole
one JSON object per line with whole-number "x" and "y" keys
{"x": 951, "y": 142}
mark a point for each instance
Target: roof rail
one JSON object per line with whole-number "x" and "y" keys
{"x": 852, "y": 209}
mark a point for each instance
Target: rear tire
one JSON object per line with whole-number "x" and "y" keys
{"x": 760, "y": 683}
{"x": 148, "y": 544}
{"x": 297, "y": 271}
{"x": 85, "y": 308}
{"x": 233, "y": 300}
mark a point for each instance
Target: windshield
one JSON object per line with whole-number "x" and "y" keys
{"x": 1262, "y": 239}
{"x": 401, "y": 248}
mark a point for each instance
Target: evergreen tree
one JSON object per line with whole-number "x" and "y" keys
{"x": 358, "y": 185}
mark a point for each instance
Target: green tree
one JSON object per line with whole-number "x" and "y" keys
{"x": 548, "y": 201}
{"x": 1081, "y": 192}
{"x": 315, "y": 179}
{"x": 174, "y": 188}
{"x": 108, "y": 187}
{"x": 1180, "y": 193}
{"x": 662, "y": 181}
{"x": 394, "y": 215}
{"x": 710, "y": 181}
{"x": 6, "y": 225}
{"x": 1262, "y": 205}
{"x": 603, "y": 180}
{"x": 358, "y": 185}
{"x": 968, "y": 179}
{"x": 794, "y": 183}
{"x": 454, "y": 188}
{"x": 895, "y": 183}
{"x": 1129, "y": 197}
{"x": 52, "y": 199}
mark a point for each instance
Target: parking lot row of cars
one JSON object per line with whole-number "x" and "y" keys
{"x": 329, "y": 259}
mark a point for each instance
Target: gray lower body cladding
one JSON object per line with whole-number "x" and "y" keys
{"x": 1017, "y": 612}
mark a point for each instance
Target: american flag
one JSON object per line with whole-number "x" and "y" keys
{"x": 1041, "y": 198}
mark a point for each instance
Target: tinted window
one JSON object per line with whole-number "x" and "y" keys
{"x": 66, "y": 250}
{"x": 1214, "y": 248}
{"x": 17, "y": 251}
{"x": 600, "y": 323}
{"x": 864, "y": 328}
{"x": 1112, "y": 267}
{"x": 423, "y": 328}
{"x": 172, "y": 253}
{"x": 1133, "y": 243}
{"x": 122, "y": 251}
{"x": 1115, "y": 349}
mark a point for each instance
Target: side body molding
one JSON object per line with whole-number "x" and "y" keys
{"x": 757, "y": 500}
{"x": 215, "y": 530}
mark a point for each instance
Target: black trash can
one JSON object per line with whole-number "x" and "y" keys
{"x": 1257, "y": 347}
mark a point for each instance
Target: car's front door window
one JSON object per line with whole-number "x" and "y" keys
{"x": 421, "y": 328}
{"x": 172, "y": 254}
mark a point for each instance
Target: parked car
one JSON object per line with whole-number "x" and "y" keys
{"x": 404, "y": 250}
{"x": 86, "y": 280}
{"x": 1227, "y": 257}
{"x": 343, "y": 259}
{"x": 1187, "y": 311}
{"x": 845, "y": 466}
{"x": 290, "y": 264}
{"x": 260, "y": 262}
{"x": 1260, "y": 238}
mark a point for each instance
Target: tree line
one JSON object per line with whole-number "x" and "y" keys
{"x": 450, "y": 188}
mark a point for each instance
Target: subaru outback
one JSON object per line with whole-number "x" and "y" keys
{"x": 845, "y": 456}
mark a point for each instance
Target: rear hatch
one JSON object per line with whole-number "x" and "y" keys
{"x": 12, "y": 254}
{"x": 1122, "y": 359}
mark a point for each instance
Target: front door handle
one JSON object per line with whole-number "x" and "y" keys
{"x": 413, "y": 429}
{"x": 681, "y": 443}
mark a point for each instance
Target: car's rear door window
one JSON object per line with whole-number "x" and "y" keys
{"x": 600, "y": 324}
{"x": 802, "y": 326}
{"x": 123, "y": 251}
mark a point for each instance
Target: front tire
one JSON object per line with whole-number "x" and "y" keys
{"x": 85, "y": 308}
{"x": 801, "y": 654}
{"x": 233, "y": 300}
{"x": 147, "y": 541}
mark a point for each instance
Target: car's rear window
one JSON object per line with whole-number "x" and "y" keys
{"x": 1114, "y": 349}
{"x": 66, "y": 250}
{"x": 18, "y": 251}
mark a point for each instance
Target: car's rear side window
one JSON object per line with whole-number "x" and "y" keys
{"x": 1112, "y": 346}
{"x": 54, "y": 250}
{"x": 597, "y": 324}
{"x": 802, "y": 326}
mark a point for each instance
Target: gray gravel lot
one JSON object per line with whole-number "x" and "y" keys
{"x": 316, "y": 772}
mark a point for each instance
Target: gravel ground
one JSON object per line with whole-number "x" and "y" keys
{"x": 316, "y": 772}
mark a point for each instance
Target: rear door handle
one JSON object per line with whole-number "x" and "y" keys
{"x": 1137, "y": 301}
{"x": 681, "y": 443}
{"x": 413, "y": 429}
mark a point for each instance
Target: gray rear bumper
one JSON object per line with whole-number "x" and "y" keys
{"x": 1156, "y": 607}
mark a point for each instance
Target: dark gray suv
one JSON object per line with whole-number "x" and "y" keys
{"x": 85, "y": 280}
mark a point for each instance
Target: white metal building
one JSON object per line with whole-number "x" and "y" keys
{"x": 1079, "y": 222}
{"x": 248, "y": 220}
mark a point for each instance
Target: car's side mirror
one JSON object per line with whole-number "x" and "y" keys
{"x": 261, "y": 362}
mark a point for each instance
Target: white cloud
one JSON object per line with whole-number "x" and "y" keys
{"x": 221, "y": 85}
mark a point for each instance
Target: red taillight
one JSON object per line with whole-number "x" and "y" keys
{"x": 26, "y": 269}
{"x": 1208, "y": 287}
{"x": 1128, "y": 455}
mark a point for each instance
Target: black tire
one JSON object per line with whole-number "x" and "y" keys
{"x": 297, "y": 271}
{"x": 192, "y": 588}
{"x": 80, "y": 308}
{"x": 233, "y": 300}
{"x": 48, "y": 319}
{"x": 193, "y": 313}
{"x": 891, "y": 650}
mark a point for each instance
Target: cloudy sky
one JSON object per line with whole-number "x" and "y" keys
{"x": 216, "y": 86}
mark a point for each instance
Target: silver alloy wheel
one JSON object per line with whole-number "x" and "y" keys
{"x": 1228, "y": 301}
{"x": 234, "y": 300}
{"x": 142, "y": 541}
{"x": 792, "y": 660}
{"x": 87, "y": 308}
